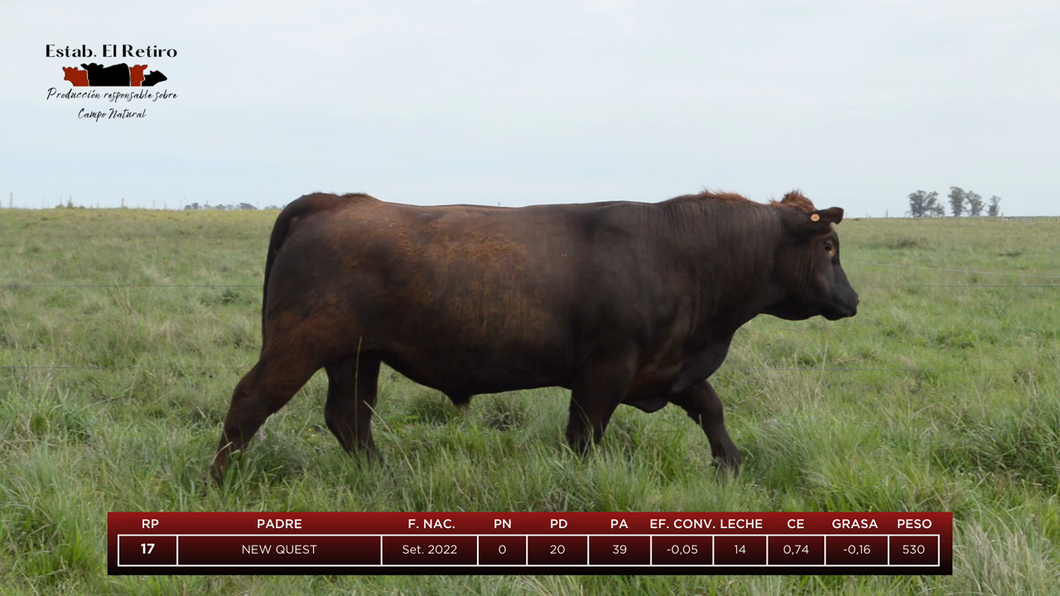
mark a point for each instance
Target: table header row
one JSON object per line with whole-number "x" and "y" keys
{"x": 487, "y": 523}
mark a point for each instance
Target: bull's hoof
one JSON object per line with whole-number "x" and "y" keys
{"x": 728, "y": 465}
{"x": 217, "y": 476}
{"x": 579, "y": 443}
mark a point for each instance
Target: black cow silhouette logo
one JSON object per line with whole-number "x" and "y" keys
{"x": 153, "y": 77}
{"x": 116, "y": 75}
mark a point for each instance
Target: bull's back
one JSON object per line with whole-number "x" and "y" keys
{"x": 465, "y": 299}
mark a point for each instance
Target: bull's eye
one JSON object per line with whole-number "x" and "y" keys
{"x": 828, "y": 248}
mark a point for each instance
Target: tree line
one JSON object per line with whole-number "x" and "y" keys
{"x": 239, "y": 207}
{"x": 927, "y": 204}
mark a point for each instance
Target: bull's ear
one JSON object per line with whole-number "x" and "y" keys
{"x": 814, "y": 223}
{"x": 820, "y": 222}
{"x": 827, "y": 216}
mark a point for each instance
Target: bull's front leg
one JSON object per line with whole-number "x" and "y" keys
{"x": 703, "y": 405}
{"x": 598, "y": 390}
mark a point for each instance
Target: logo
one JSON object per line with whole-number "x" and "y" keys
{"x": 139, "y": 80}
{"x": 117, "y": 75}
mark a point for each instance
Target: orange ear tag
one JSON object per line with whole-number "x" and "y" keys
{"x": 815, "y": 217}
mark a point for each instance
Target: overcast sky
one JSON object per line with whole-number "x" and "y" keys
{"x": 856, "y": 103}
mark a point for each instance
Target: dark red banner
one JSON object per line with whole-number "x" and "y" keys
{"x": 556, "y": 543}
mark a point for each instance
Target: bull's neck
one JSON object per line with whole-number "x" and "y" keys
{"x": 730, "y": 248}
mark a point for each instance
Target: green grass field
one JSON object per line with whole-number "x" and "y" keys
{"x": 123, "y": 333}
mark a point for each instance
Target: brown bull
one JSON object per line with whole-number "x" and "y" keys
{"x": 622, "y": 303}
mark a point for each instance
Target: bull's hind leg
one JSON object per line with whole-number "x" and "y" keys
{"x": 352, "y": 385}
{"x": 261, "y": 392}
{"x": 703, "y": 405}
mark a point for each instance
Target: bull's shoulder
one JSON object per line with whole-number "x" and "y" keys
{"x": 616, "y": 221}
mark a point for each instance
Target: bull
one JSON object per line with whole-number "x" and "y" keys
{"x": 619, "y": 302}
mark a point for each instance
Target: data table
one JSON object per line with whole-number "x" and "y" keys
{"x": 529, "y": 543}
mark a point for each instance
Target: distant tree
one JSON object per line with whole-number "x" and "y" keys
{"x": 975, "y": 203}
{"x": 916, "y": 203}
{"x": 247, "y": 207}
{"x": 934, "y": 206}
{"x": 956, "y": 200}
{"x": 925, "y": 204}
{"x": 995, "y": 206}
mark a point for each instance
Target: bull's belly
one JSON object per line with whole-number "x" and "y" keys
{"x": 461, "y": 349}
{"x": 458, "y": 371}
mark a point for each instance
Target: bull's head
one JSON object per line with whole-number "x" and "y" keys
{"x": 809, "y": 276}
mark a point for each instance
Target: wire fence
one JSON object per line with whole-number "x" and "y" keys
{"x": 903, "y": 369}
{"x": 964, "y": 271}
{"x": 20, "y": 286}
{"x": 258, "y": 286}
{"x": 810, "y": 369}
{"x": 967, "y": 271}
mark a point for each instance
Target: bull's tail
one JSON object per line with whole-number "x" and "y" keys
{"x": 298, "y": 208}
